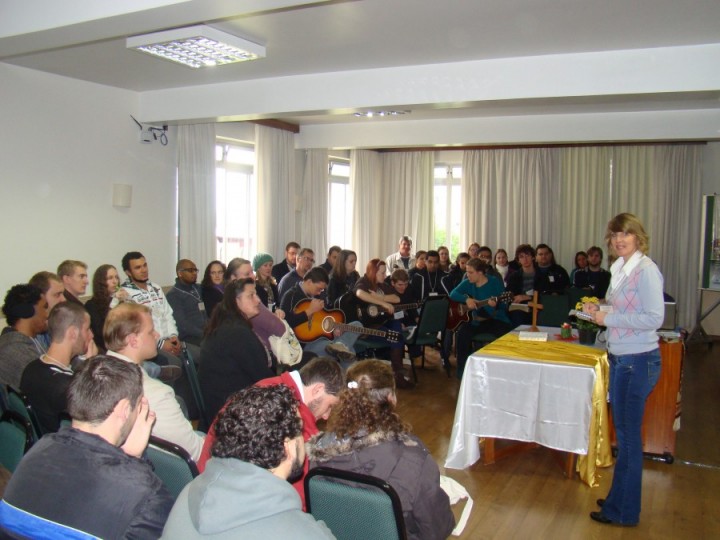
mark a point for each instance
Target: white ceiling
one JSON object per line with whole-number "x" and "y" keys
{"x": 85, "y": 39}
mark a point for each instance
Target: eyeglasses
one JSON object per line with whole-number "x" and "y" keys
{"x": 308, "y": 259}
{"x": 193, "y": 270}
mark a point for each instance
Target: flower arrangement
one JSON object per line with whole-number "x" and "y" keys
{"x": 582, "y": 324}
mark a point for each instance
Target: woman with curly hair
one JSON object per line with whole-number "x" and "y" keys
{"x": 106, "y": 294}
{"x": 366, "y": 435}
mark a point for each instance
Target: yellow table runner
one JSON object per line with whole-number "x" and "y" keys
{"x": 599, "y": 452}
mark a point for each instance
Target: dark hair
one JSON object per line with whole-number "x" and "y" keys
{"x": 578, "y": 254}
{"x": 371, "y": 269}
{"x": 122, "y": 321}
{"x": 42, "y": 280}
{"x": 461, "y": 255}
{"x": 292, "y": 245}
{"x": 20, "y": 302}
{"x": 101, "y": 295}
{"x": 207, "y": 280}
{"x": 99, "y": 385}
{"x": 420, "y": 253}
{"x": 333, "y": 249}
{"x": 367, "y": 408}
{"x": 317, "y": 275}
{"x": 63, "y": 316}
{"x": 338, "y": 271}
{"x": 325, "y": 370}
{"x": 130, "y": 256}
{"x": 228, "y": 309}
{"x": 527, "y": 249}
{"x": 545, "y": 246}
{"x": 399, "y": 274}
{"x": 485, "y": 248}
{"x": 478, "y": 265}
{"x": 254, "y": 425}
{"x": 433, "y": 253}
{"x": 595, "y": 249}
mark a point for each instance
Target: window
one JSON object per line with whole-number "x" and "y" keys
{"x": 339, "y": 203}
{"x": 447, "y": 207}
{"x": 236, "y": 201}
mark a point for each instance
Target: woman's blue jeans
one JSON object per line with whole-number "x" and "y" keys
{"x": 632, "y": 378}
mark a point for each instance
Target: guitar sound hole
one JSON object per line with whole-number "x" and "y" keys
{"x": 373, "y": 311}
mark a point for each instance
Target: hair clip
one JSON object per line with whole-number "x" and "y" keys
{"x": 352, "y": 385}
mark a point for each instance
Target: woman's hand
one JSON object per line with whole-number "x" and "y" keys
{"x": 471, "y": 303}
{"x": 279, "y": 313}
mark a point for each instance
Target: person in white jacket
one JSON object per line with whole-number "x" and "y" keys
{"x": 130, "y": 335}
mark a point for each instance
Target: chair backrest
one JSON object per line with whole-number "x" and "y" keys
{"x": 555, "y": 309}
{"x": 192, "y": 377}
{"x": 354, "y": 506}
{"x": 433, "y": 319}
{"x": 172, "y": 464}
{"x": 16, "y": 438}
{"x": 18, "y": 402}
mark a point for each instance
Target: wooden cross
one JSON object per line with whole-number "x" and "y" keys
{"x": 535, "y": 307}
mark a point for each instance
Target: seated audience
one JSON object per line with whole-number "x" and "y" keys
{"x": 403, "y": 257}
{"x": 46, "y": 379}
{"x": 594, "y": 277}
{"x": 233, "y": 356}
{"x": 106, "y": 294}
{"x": 478, "y": 286}
{"x": 444, "y": 263}
{"x": 372, "y": 289}
{"x": 90, "y": 480}
{"x": 428, "y": 281}
{"x": 213, "y": 285}
{"x": 473, "y": 250}
{"x": 130, "y": 335}
{"x": 551, "y": 277}
{"x": 26, "y": 314}
{"x": 185, "y": 299}
{"x": 485, "y": 255}
{"x": 305, "y": 261}
{"x": 288, "y": 263}
{"x": 264, "y": 281}
{"x": 366, "y": 435}
{"x": 581, "y": 262}
{"x": 74, "y": 277}
{"x": 245, "y": 490}
{"x": 343, "y": 277}
{"x": 315, "y": 387}
{"x": 420, "y": 262}
{"x": 502, "y": 266}
{"x": 309, "y": 289}
{"x": 53, "y": 291}
{"x": 332, "y": 256}
{"x": 456, "y": 274}
{"x": 522, "y": 282}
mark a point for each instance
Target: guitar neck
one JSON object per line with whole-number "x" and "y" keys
{"x": 360, "y": 330}
{"x": 402, "y": 307}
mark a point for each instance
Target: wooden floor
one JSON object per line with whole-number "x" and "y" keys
{"x": 527, "y": 496}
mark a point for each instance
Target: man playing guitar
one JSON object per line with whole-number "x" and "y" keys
{"x": 473, "y": 291}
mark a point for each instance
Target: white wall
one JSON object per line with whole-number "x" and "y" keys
{"x": 63, "y": 143}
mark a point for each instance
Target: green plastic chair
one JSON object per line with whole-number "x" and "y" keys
{"x": 555, "y": 310}
{"x": 15, "y": 439}
{"x": 354, "y": 506}
{"x": 172, "y": 464}
{"x": 430, "y": 327}
{"x": 18, "y": 402}
{"x": 191, "y": 373}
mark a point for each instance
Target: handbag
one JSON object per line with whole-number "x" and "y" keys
{"x": 286, "y": 347}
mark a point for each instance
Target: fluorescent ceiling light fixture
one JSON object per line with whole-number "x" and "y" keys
{"x": 372, "y": 114}
{"x": 197, "y": 46}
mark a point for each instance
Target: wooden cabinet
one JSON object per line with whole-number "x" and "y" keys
{"x": 663, "y": 404}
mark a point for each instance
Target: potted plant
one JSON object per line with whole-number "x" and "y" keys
{"x": 587, "y": 330}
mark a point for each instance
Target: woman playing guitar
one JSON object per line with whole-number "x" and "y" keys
{"x": 471, "y": 291}
{"x": 371, "y": 288}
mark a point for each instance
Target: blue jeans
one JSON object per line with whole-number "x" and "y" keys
{"x": 347, "y": 338}
{"x": 632, "y": 378}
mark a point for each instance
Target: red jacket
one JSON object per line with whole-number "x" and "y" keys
{"x": 309, "y": 427}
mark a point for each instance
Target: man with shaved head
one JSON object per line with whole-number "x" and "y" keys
{"x": 185, "y": 298}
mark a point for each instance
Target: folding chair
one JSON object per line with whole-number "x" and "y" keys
{"x": 354, "y": 506}
{"x": 192, "y": 377}
{"x": 16, "y": 438}
{"x": 430, "y": 327}
{"x": 18, "y": 402}
{"x": 172, "y": 464}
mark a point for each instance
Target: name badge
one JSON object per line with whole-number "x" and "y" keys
{"x": 552, "y": 279}
{"x": 201, "y": 306}
{"x": 433, "y": 294}
{"x": 399, "y": 315}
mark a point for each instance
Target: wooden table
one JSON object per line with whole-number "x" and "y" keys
{"x": 552, "y": 394}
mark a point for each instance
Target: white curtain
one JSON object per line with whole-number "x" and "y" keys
{"x": 196, "y": 193}
{"x": 365, "y": 186}
{"x": 407, "y": 196}
{"x": 509, "y": 197}
{"x": 313, "y": 227}
{"x": 277, "y": 196}
{"x": 675, "y": 235}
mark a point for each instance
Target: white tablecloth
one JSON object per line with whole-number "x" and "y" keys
{"x": 546, "y": 403}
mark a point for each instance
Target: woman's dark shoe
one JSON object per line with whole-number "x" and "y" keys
{"x": 600, "y": 502}
{"x": 600, "y": 518}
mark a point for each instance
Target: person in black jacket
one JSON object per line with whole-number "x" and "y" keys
{"x": 91, "y": 477}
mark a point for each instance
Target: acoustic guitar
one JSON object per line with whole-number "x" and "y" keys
{"x": 459, "y": 313}
{"x": 365, "y": 312}
{"x": 322, "y": 324}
